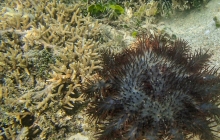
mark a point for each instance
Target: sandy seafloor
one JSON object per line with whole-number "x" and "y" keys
{"x": 198, "y": 28}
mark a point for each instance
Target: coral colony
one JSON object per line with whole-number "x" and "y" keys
{"x": 155, "y": 90}
{"x": 47, "y": 48}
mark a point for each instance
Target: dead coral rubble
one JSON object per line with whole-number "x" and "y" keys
{"x": 34, "y": 105}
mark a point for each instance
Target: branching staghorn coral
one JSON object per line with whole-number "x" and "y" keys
{"x": 36, "y": 104}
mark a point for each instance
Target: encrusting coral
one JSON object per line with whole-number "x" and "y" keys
{"x": 155, "y": 90}
{"x": 38, "y": 98}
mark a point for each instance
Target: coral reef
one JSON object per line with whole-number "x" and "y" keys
{"x": 48, "y": 49}
{"x": 165, "y": 7}
{"x": 155, "y": 90}
{"x": 186, "y": 4}
{"x": 52, "y": 50}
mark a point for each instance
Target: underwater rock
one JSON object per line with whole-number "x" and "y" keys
{"x": 217, "y": 22}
